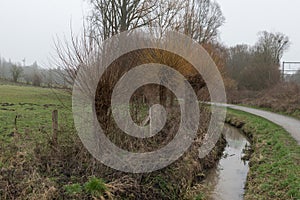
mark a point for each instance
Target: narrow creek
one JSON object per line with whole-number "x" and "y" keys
{"x": 227, "y": 180}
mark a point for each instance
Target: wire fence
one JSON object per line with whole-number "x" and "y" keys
{"x": 290, "y": 71}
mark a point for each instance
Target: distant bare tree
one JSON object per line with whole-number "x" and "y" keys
{"x": 272, "y": 45}
{"x": 257, "y": 67}
{"x": 50, "y": 77}
{"x": 36, "y": 79}
{"x": 28, "y": 78}
{"x": 1, "y": 69}
{"x": 16, "y": 72}
{"x": 239, "y": 57}
{"x": 260, "y": 73}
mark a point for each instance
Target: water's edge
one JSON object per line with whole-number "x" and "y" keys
{"x": 228, "y": 178}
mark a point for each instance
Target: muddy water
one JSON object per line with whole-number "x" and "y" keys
{"x": 228, "y": 178}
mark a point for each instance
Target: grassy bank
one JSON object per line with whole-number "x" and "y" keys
{"x": 275, "y": 161}
{"x": 33, "y": 167}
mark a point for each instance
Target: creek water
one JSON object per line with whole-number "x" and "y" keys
{"x": 228, "y": 178}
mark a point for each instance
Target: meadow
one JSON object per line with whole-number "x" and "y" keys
{"x": 29, "y": 109}
{"x": 26, "y": 124}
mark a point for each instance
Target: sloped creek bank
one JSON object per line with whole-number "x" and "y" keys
{"x": 227, "y": 180}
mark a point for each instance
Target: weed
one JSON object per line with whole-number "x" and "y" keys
{"x": 96, "y": 187}
{"x": 73, "y": 189}
{"x": 199, "y": 197}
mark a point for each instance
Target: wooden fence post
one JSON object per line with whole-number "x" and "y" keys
{"x": 54, "y": 126}
{"x": 15, "y": 123}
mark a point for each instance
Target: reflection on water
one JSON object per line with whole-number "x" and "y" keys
{"x": 229, "y": 177}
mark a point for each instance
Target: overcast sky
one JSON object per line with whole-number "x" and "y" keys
{"x": 28, "y": 27}
{"x": 245, "y": 18}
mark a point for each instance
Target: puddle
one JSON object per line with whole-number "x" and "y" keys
{"x": 228, "y": 178}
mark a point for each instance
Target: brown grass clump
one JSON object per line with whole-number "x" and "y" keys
{"x": 280, "y": 98}
{"x": 283, "y": 98}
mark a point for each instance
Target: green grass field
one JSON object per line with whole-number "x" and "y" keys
{"x": 275, "y": 161}
{"x": 27, "y": 112}
{"x": 33, "y": 108}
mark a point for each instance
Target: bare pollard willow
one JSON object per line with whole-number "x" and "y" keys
{"x": 126, "y": 62}
{"x": 122, "y": 35}
{"x": 198, "y": 19}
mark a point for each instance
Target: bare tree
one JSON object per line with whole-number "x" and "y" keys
{"x": 36, "y": 79}
{"x": 28, "y": 78}
{"x": 169, "y": 15}
{"x": 16, "y": 72}
{"x": 257, "y": 67}
{"x": 111, "y": 17}
{"x": 239, "y": 57}
{"x": 50, "y": 77}
{"x": 252, "y": 69}
{"x": 202, "y": 19}
{"x": 199, "y": 19}
{"x": 272, "y": 45}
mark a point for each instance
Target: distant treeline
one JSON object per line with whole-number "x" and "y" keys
{"x": 253, "y": 67}
{"x": 32, "y": 74}
{"x": 258, "y": 67}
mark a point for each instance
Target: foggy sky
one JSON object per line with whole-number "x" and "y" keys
{"x": 28, "y": 27}
{"x": 245, "y": 18}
